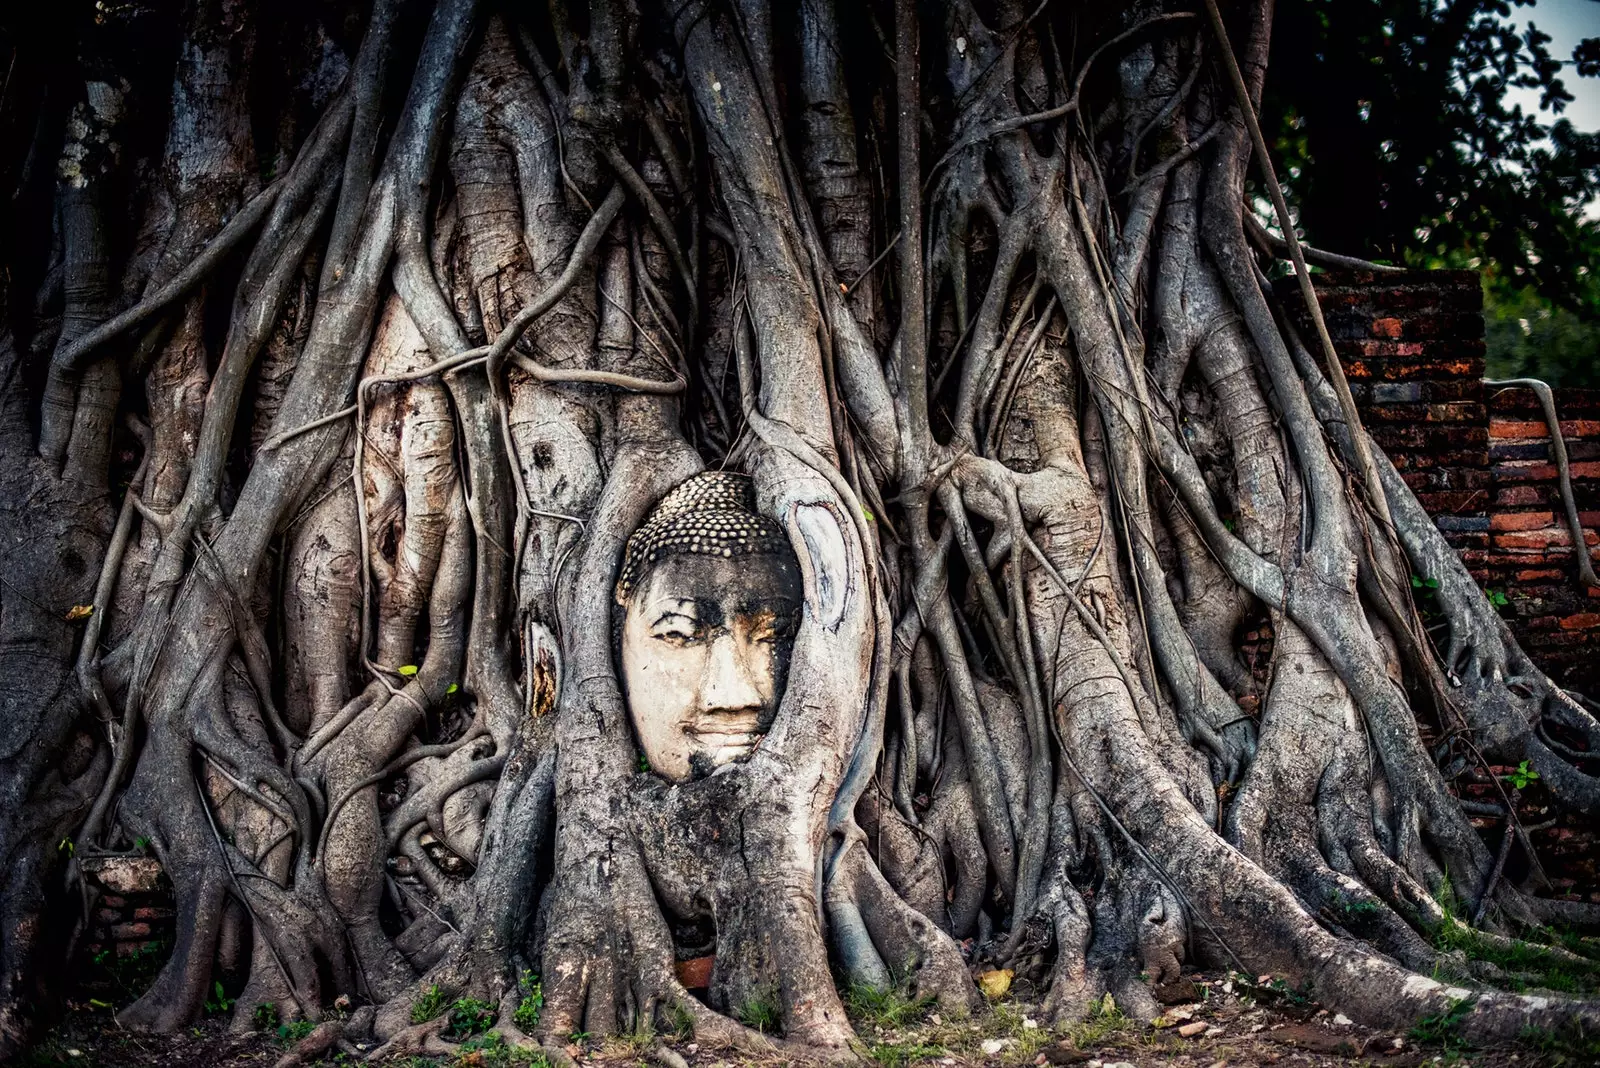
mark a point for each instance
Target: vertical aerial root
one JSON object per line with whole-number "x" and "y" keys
{"x": 913, "y": 948}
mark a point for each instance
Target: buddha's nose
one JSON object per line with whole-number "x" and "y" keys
{"x": 729, "y": 683}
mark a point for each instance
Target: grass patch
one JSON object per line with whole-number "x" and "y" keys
{"x": 900, "y": 1054}
{"x": 429, "y": 1006}
{"x": 885, "y": 1008}
{"x": 1105, "y": 1021}
{"x": 1444, "y": 1028}
{"x": 1564, "y": 1047}
{"x": 1529, "y": 963}
{"x": 761, "y": 1013}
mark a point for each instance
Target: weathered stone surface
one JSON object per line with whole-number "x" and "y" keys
{"x": 124, "y": 875}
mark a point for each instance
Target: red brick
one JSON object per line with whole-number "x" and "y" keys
{"x": 1520, "y": 520}
{"x": 1508, "y": 428}
{"x": 1533, "y": 539}
{"x": 1385, "y": 327}
{"x": 1451, "y": 502}
{"x": 122, "y": 932}
{"x": 1581, "y": 621}
{"x": 1538, "y": 429}
{"x": 1514, "y": 496}
{"x": 152, "y": 913}
{"x": 1534, "y": 576}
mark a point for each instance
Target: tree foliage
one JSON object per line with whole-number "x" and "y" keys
{"x": 1400, "y": 144}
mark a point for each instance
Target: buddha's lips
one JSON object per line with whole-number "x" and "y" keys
{"x": 725, "y": 745}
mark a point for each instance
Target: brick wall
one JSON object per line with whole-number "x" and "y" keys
{"x": 133, "y": 914}
{"x": 1477, "y": 457}
{"x": 1531, "y": 554}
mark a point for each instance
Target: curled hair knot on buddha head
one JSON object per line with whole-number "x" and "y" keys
{"x": 710, "y": 514}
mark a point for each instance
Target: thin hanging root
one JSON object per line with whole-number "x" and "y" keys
{"x": 1558, "y": 449}
{"x": 495, "y": 353}
{"x": 1278, "y": 247}
{"x": 1335, "y": 369}
{"x": 71, "y": 358}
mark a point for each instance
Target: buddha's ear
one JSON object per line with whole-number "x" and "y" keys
{"x": 825, "y": 564}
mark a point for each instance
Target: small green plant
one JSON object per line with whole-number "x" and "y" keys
{"x": 429, "y": 1005}
{"x": 1498, "y": 598}
{"x": 762, "y": 1014}
{"x": 141, "y": 844}
{"x": 294, "y": 1030}
{"x": 1444, "y": 1028}
{"x": 1300, "y": 995}
{"x": 488, "y": 1041}
{"x": 1522, "y": 776}
{"x": 528, "y": 1009}
{"x": 1353, "y": 906}
{"x": 469, "y": 1016}
{"x": 264, "y": 1017}
{"x": 219, "y": 1002}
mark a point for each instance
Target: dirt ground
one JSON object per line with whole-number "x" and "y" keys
{"x": 1229, "y": 1022}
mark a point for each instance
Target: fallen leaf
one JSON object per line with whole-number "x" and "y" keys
{"x": 995, "y": 982}
{"x": 79, "y": 612}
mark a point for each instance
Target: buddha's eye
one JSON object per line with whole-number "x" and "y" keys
{"x": 771, "y": 627}
{"x": 678, "y": 629}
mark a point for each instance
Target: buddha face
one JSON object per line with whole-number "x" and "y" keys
{"x": 705, "y": 650}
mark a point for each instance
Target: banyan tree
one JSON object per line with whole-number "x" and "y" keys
{"x": 373, "y": 372}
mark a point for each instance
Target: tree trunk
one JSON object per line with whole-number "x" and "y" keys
{"x": 321, "y": 469}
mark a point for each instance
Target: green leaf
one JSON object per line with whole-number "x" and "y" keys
{"x": 1522, "y": 776}
{"x": 407, "y": 669}
{"x": 452, "y": 688}
{"x": 1416, "y": 582}
{"x": 868, "y": 513}
{"x": 1431, "y": 584}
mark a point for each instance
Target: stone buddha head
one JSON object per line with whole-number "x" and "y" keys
{"x": 710, "y": 597}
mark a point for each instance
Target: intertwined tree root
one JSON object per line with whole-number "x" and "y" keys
{"x": 969, "y": 289}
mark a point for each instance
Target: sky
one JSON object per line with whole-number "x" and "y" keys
{"x": 1567, "y": 22}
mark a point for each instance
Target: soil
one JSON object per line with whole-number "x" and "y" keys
{"x": 1229, "y": 1022}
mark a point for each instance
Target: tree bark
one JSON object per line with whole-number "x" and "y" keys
{"x": 316, "y": 478}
